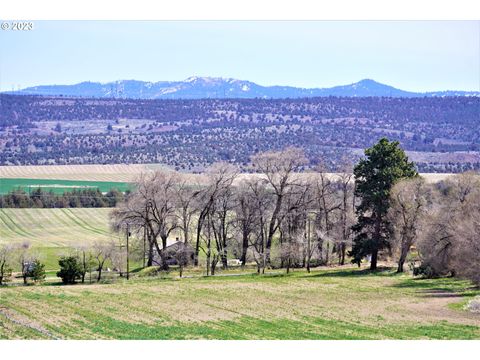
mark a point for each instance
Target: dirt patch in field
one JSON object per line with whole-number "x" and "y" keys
{"x": 436, "y": 308}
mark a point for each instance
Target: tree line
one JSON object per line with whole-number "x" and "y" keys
{"x": 39, "y": 198}
{"x": 261, "y": 219}
{"x": 281, "y": 218}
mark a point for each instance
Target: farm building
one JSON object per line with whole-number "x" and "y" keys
{"x": 178, "y": 251}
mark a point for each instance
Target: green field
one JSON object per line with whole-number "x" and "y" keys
{"x": 327, "y": 304}
{"x": 53, "y": 232}
{"x": 54, "y": 227}
{"x": 60, "y": 186}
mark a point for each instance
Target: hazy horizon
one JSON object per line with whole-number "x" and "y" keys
{"x": 417, "y": 56}
{"x": 227, "y": 78}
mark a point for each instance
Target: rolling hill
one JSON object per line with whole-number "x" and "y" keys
{"x": 55, "y": 227}
{"x": 214, "y": 87}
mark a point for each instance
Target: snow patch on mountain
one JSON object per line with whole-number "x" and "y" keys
{"x": 196, "y": 87}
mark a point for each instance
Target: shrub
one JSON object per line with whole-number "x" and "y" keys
{"x": 149, "y": 271}
{"x": 5, "y": 274}
{"x": 36, "y": 271}
{"x": 70, "y": 269}
{"x": 474, "y": 305}
{"x": 424, "y": 270}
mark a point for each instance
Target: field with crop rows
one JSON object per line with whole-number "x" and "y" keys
{"x": 114, "y": 173}
{"x": 345, "y": 303}
{"x": 54, "y": 227}
{"x": 53, "y": 232}
{"x": 74, "y": 172}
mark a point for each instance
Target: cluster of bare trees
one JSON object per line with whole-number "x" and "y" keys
{"x": 442, "y": 221}
{"x": 280, "y": 217}
{"x": 20, "y": 256}
{"x": 26, "y": 261}
{"x": 410, "y": 200}
{"x": 277, "y": 217}
{"x": 450, "y": 242}
{"x": 96, "y": 258}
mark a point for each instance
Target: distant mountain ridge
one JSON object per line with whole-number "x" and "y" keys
{"x": 214, "y": 87}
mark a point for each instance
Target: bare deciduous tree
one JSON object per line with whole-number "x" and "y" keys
{"x": 290, "y": 253}
{"x": 25, "y": 259}
{"x": 450, "y": 241}
{"x": 220, "y": 222}
{"x": 246, "y": 216}
{"x": 119, "y": 258}
{"x": 327, "y": 202}
{"x": 408, "y": 204}
{"x": 297, "y": 203}
{"x": 278, "y": 169}
{"x": 151, "y": 206}
{"x": 261, "y": 201}
{"x": 310, "y": 241}
{"x": 347, "y": 208}
{"x": 101, "y": 252}
{"x": 466, "y": 251}
{"x": 6, "y": 258}
{"x": 208, "y": 248}
{"x": 466, "y": 237}
{"x": 220, "y": 179}
{"x": 84, "y": 254}
{"x": 185, "y": 196}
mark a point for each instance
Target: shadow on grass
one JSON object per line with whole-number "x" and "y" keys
{"x": 245, "y": 276}
{"x": 440, "y": 293}
{"x": 383, "y": 270}
{"x": 439, "y": 287}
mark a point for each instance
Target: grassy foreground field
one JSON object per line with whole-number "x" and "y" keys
{"x": 326, "y": 304}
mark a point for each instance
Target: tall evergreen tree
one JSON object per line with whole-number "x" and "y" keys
{"x": 384, "y": 164}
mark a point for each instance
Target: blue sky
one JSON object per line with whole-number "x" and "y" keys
{"x": 411, "y": 55}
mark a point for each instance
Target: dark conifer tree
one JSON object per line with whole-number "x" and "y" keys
{"x": 384, "y": 164}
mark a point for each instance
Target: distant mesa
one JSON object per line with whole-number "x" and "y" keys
{"x": 196, "y": 87}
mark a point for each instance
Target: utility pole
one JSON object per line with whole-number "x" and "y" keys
{"x": 144, "y": 243}
{"x": 146, "y": 235}
{"x": 128, "y": 259}
{"x": 308, "y": 243}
